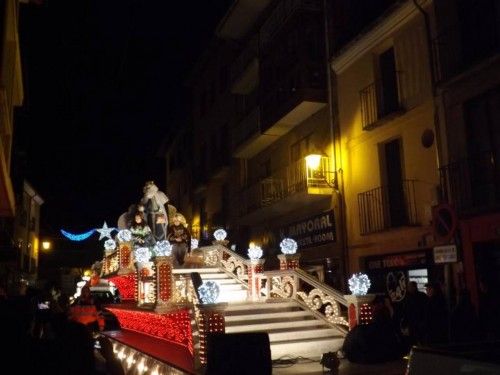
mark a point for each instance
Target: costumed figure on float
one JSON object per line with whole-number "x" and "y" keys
{"x": 156, "y": 211}
{"x": 180, "y": 238}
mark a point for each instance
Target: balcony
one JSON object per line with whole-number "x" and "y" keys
{"x": 476, "y": 38}
{"x": 283, "y": 11}
{"x": 379, "y": 105}
{"x": 472, "y": 185}
{"x": 285, "y": 190}
{"x": 387, "y": 207}
{"x": 245, "y": 69}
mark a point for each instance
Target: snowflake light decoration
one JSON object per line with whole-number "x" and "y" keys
{"x": 194, "y": 243}
{"x": 359, "y": 283}
{"x": 209, "y": 292}
{"x": 124, "y": 235}
{"x": 142, "y": 255}
{"x": 255, "y": 253}
{"x": 220, "y": 234}
{"x": 110, "y": 245}
{"x": 162, "y": 248}
{"x": 288, "y": 246}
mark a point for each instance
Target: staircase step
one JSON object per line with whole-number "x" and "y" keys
{"x": 233, "y": 296}
{"x": 300, "y": 334}
{"x": 216, "y": 276}
{"x": 270, "y": 327}
{"x": 256, "y": 307}
{"x": 266, "y": 316}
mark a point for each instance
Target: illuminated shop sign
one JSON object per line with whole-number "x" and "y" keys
{"x": 312, "y": 231}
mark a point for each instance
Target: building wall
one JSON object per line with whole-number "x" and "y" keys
{"x": 11, "y": 95}
{"x": 362, "y": 158}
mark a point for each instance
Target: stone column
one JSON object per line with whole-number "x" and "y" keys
{"x": 210, "y": 320}
{"x": 359, "y": 310}
{"x": 254, "y": 278}
{"x": 289, "y": 261}
{"x": 164, "y": 282}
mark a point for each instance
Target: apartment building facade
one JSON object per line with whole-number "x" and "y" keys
{"x": 388, "y": 149}
{"x": 277, "y": 110}
{"x": 466, "y": 57}
{"x": 11, "y": 95}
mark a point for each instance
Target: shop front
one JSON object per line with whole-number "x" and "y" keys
{"x": 319, "y": 248}
{"x": 390, "y": 273}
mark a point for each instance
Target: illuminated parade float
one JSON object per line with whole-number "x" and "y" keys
{"x": 169, "y": 311}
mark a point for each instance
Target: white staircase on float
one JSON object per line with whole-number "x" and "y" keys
{"x": 293, "y": 330}
{"x": 230, "y": 289}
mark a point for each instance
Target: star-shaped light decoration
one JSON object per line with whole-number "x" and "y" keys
{"x": 105, "y": 232}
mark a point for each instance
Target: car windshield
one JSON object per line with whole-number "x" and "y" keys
{"x": 103, "y": 296}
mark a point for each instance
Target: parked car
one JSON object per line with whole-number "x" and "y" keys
{"x": 103, "y": 297}
{"x": 470, "y": 359}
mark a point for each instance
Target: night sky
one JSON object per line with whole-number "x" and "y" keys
{"x": 103, "y": 88}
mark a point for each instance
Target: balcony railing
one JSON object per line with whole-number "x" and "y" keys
{"x": 378, "y": 103}
{"x": 472, "y": 184}
{"x": 387, "y": 207}
{"x": 280, "y": 15}
{"x": 304, "y": 81}
{"x": 249, "y": 52}
{"x": 294, "y": 178}
{"x": 248, "y": 127}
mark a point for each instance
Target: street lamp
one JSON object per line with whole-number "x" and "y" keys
{"x": 46, "y": 245}
{"x": 313, "y": 162}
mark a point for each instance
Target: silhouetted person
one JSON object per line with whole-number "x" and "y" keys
{"x": 436, "y": 316}
{"x": 414, "y": 310}
{"x": 464, "y": 322}
{"x": 489, "y": 311}
{"x": 375, "y": 342}
{"x": 85, "y": 311}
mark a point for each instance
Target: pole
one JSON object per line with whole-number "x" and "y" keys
{"x": 336, "y": 155}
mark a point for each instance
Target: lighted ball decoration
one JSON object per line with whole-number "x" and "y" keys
{"x": 220, "y": 234}
{"x": 359, "y": 283}
{"x": 162, "y": 248}
{"x": 142, "y": 255}
{"x": 194, "y": 243}
{"x": 209, "y": 292}
{"x": 124, "y": 235}
{"x": 110, "y": 245}
{"x": 255, "y": 253}
{"x": 288, "y": 246}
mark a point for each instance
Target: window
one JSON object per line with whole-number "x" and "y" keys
{"x": 482, "y": 116}
{"x": 387, "y": 90}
